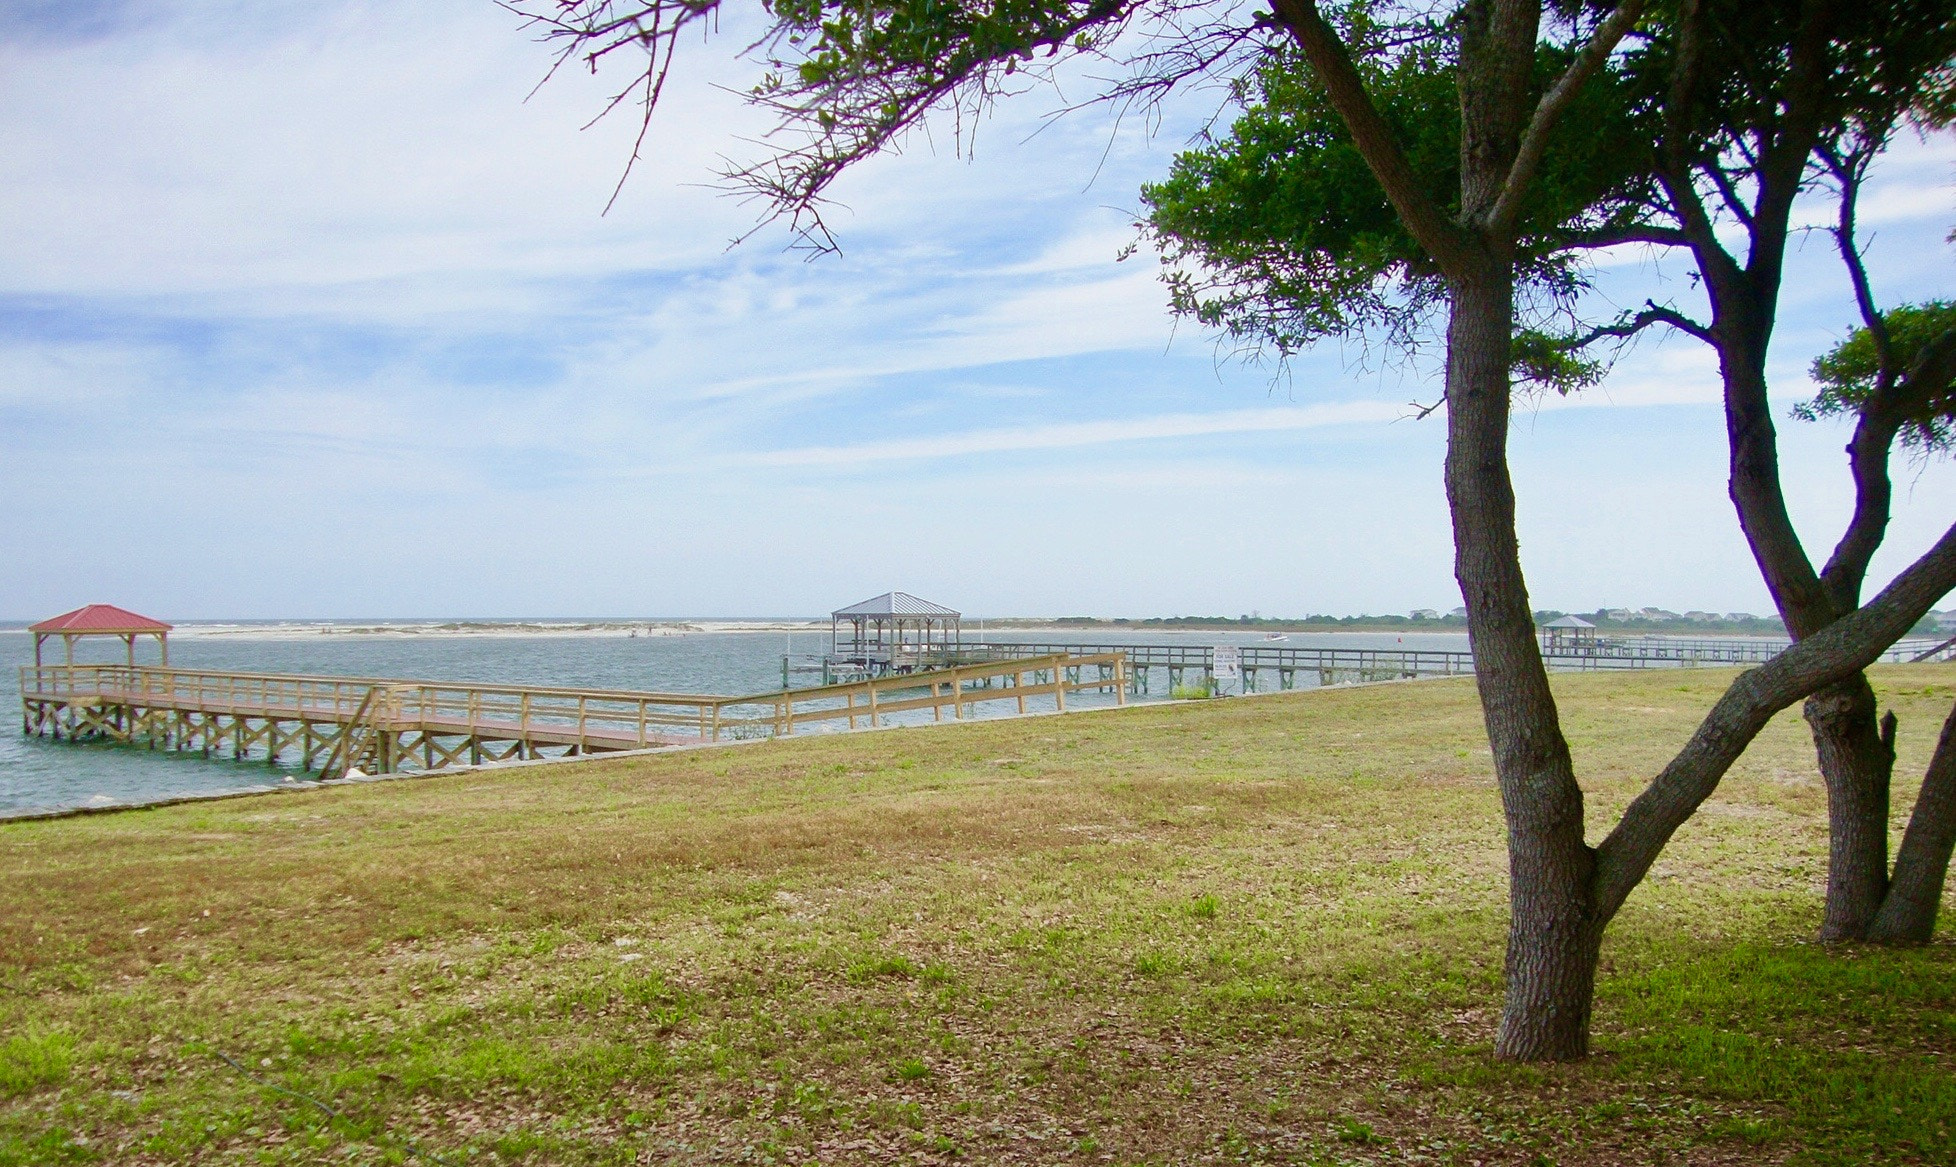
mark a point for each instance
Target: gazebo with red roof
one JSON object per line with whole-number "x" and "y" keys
{"x": 101, "y": 620}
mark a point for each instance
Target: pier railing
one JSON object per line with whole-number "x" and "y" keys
{"x": 1369, "y": 663}
{"x": 955, "y": 688}
{"x": 600, "y": 719}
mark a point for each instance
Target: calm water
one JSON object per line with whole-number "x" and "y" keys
{"x": 40, "y": 774}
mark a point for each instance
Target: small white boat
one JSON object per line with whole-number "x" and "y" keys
{"x": 1276, "y": 636}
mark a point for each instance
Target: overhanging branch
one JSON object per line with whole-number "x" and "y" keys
{"x": 1650, "y": 233}
{"x": 1652, "y": 313}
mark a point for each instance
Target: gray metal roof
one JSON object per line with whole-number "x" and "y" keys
{"x": 895, "y": 604}
{"x": 1569, "y": 622}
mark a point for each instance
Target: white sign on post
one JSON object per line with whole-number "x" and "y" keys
{"x": 1227, "y": 662}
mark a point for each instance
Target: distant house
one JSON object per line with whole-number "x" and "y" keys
{"x": 1945, "y": 620}
{"x": 1740, "y": 617}
{"x": 1620, "y": 615}
{"x": 1570, "y": 634}
{"x": 1457, "y": 614}
{"x": 1702, "y": 617}
{"x": 1425, "y": 614}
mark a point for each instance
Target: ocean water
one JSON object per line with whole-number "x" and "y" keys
{"x": 39, "y": 774}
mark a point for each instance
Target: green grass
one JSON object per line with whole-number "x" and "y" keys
{"x": 32, "y": 1060}
{"x": 1261, "y": 930}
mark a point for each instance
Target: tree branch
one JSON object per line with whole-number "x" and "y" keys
{"x": 1744, "y": 299}
{"x": 1729, "y": 193}
{"x": 1839, "y": 650}
{"x": 1674, "y": 168}
{"x": 1535, "y": 139}
{"x": 1449, "y": 246}
{"x": 1651, "y": 313}
{"x": 1649, "y": 233}
{"x": 591, "y": 30}
{"x": 1874, "y": 434}
{"x": 1783, "y": 161}
{"x": 1868, "y": 456}
{"x": 1849, "y": 172}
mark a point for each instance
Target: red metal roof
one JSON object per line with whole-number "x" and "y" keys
{"x": 100, "y": 618}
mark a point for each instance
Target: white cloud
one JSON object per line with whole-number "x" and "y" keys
{"x": 325, "y": 260}
{"x": 1089, "y": 433}
{"x": 353, "y": 143}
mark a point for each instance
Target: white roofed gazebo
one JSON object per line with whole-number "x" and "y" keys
{"x": 893, "y": 630}
{"x": 1569, "y": 634}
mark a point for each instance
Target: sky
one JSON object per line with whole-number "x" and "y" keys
{"x": 313, "y": 310}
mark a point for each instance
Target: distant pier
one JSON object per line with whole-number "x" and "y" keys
{"x": 1259, "y": 664}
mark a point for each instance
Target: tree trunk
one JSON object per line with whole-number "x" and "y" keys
{"x": 1857, "y": 765}
{"x": 1553, "y": 932}
{"x": 1754, "y": 482}
{"x": 1908, "y": 914}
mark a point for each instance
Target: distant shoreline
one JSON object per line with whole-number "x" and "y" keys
{"x": 399, "y": 629}
{"x": 1061, "y": 628}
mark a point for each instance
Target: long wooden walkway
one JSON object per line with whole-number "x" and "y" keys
{"x": 339, "y": 725}
{"x": 1286, "y": 663}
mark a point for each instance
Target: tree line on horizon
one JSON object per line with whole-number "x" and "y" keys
{"x": 1606, "y": 619}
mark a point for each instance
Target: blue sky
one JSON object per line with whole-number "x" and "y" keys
{"x": 305, "y": 311}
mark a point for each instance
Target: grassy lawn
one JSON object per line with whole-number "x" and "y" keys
{"x": 1263, "y": 930}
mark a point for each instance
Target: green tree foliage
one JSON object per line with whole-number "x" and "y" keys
{"x": 1279, "y": 236}
{"x": 1851, "y": 372}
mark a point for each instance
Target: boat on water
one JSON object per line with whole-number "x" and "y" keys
{"x": 1275, "y": 636}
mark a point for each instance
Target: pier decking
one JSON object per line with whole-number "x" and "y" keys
{"x": 337, "y": 725}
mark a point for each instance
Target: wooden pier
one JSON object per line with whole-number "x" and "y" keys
{"x": 339, "y": 725}
{"x": 1181, "y": 662}
{"x": 1286, "y": 663}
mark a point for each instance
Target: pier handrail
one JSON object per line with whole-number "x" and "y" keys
{"x": 484, "y": 686}
{"x": 604, "y": 718}
{"x": 1930, "y": 653}
{"x": 1628, "y": 652}
{"x": 953, "y": 686}
{"x": 406, "y": 702}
